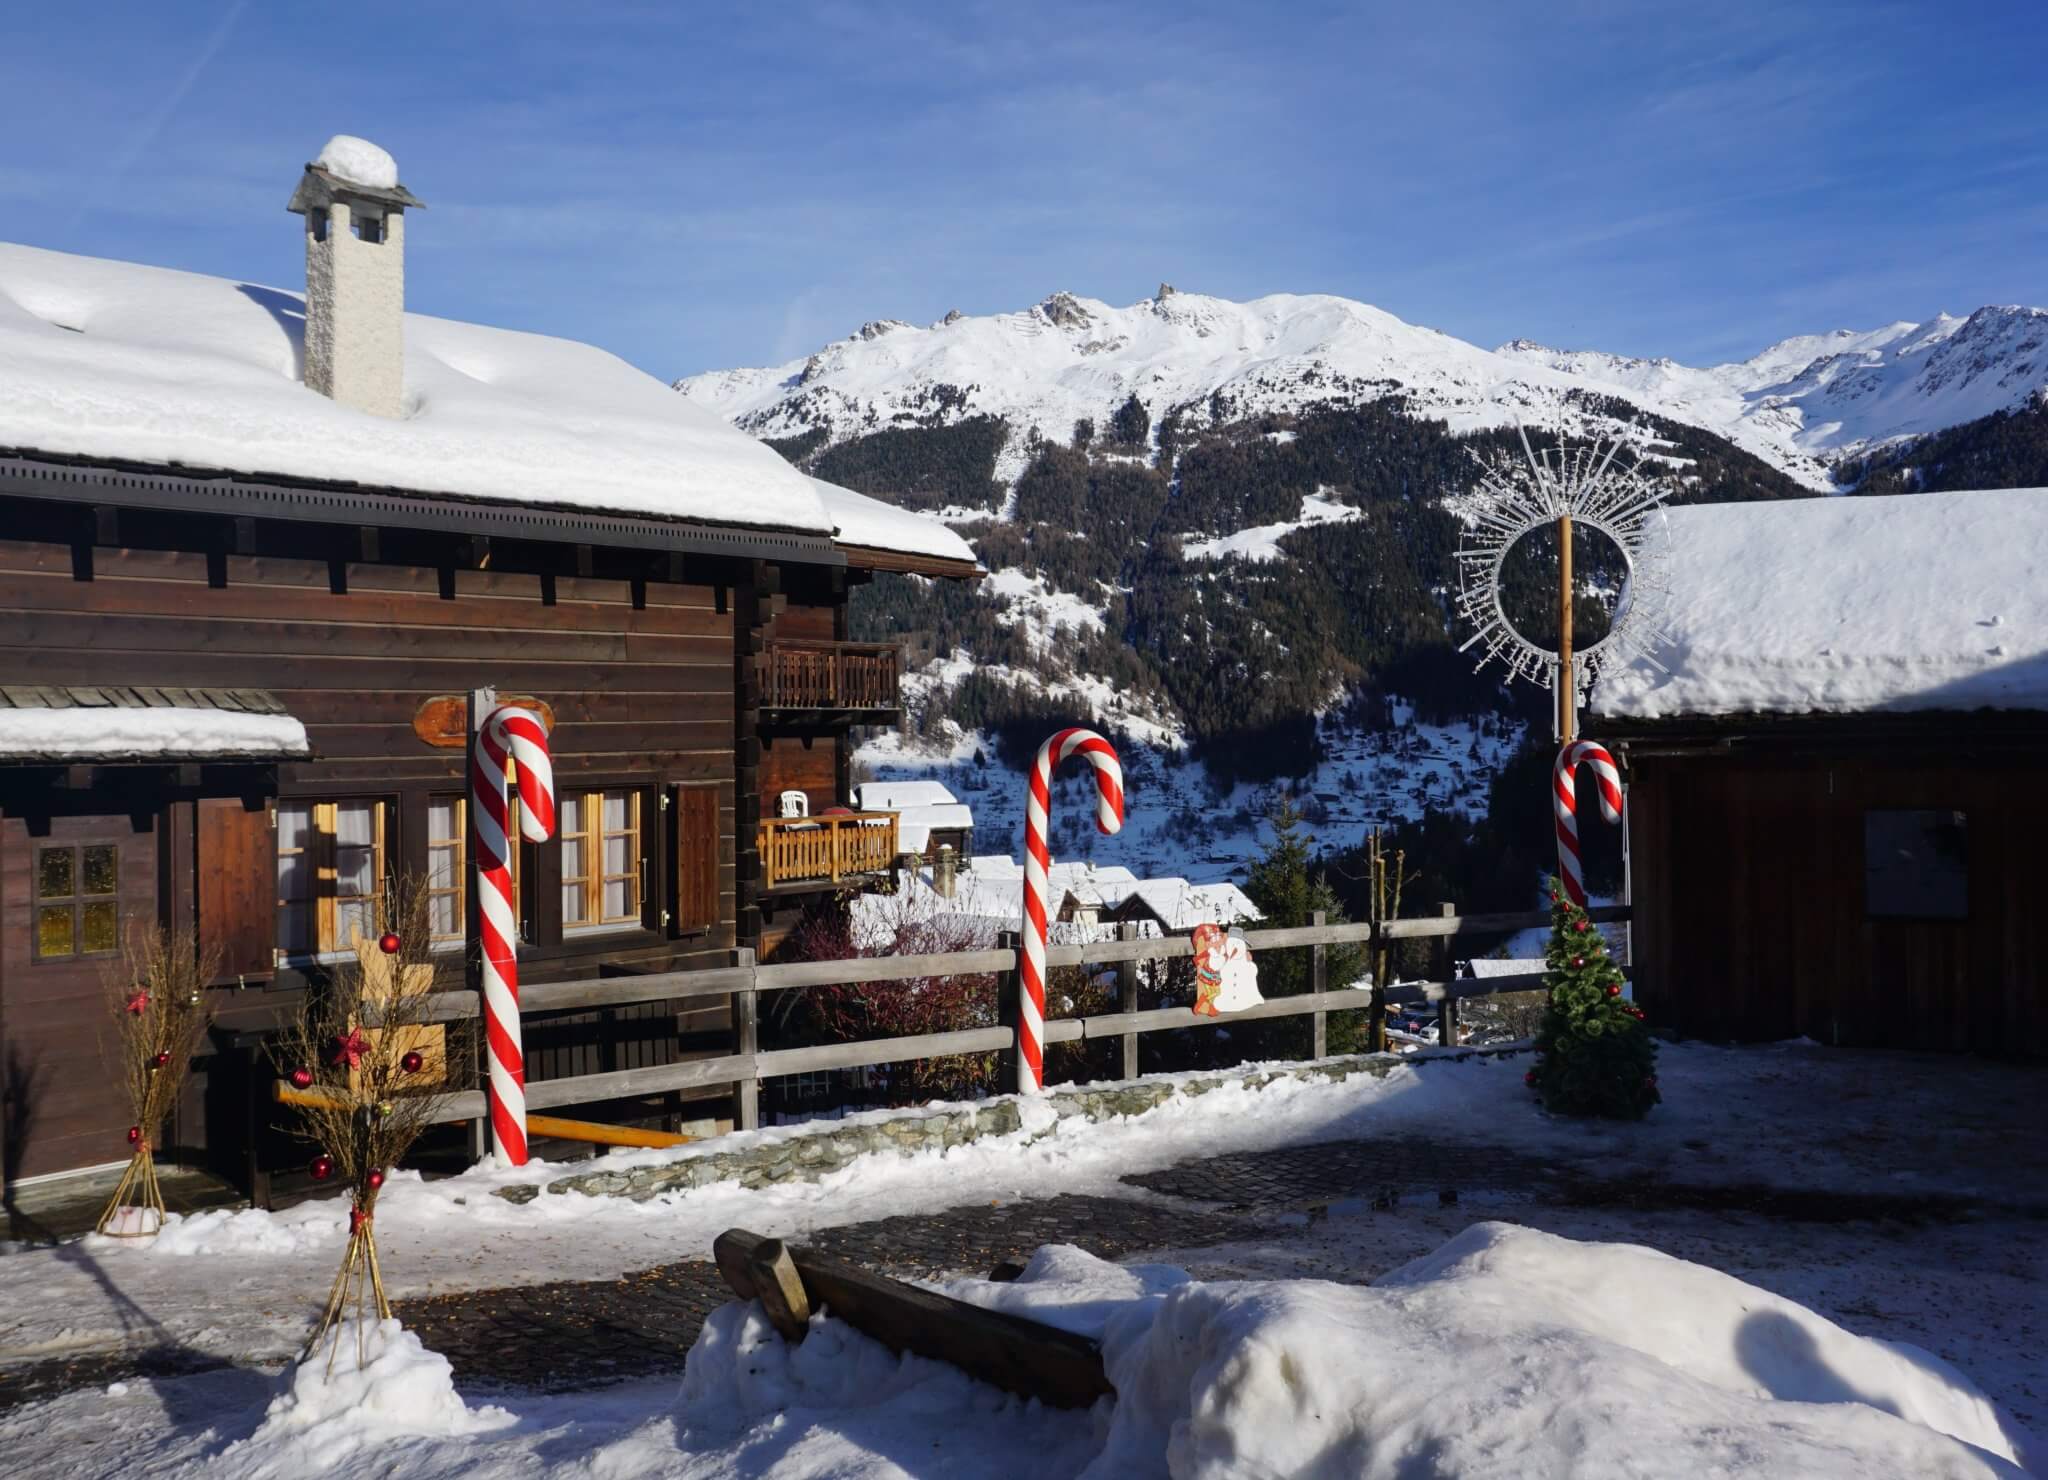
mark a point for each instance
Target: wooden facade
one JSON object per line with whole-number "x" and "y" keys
{"x": 647, "y": 643}
{"x": 1859, "y": 880}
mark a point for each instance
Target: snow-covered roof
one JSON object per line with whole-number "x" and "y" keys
{"x": 1483, "y": 967}
{"x": 116, "y": 361}
{"x": 870, "y": 524}
{"x": 178, "y": 732}
{"x": 921, "y": 808}
{"x": 1933, "y": 601}
{"x": 887, "y": 796}
{"x": 1180, "y": 905}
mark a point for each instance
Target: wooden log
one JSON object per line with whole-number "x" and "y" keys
{"x": 1319, "y": 982}
{"x": 1127, "y": 999}
{"x": 1019, "y": 1356}
{"x": 1447, "y": 1009}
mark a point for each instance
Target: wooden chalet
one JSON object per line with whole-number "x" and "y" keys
{"x": 1838, "y": 780}
{"x": 247, "y": 574}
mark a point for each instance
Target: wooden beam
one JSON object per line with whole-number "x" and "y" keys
{"x": 1057, "y": 1367}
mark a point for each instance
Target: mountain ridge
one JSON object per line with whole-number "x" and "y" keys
{"x": 1801, "y": 404}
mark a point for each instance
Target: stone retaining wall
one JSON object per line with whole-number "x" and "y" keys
{"x": 826, "y": 1146}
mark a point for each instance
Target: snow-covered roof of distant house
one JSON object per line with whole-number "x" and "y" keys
{"x": 887, "y": 796}
{"x": 921, "y": 808}
{"x": 1180, "y": 905}
{"x": 120, "y": 362}
{"x": 989, "y": 889}
{"x": 1482, "y": 967}
{"x": 105, "y": 723}
{"x": 1932, "y": 601}
{"x": 869, "y": 524}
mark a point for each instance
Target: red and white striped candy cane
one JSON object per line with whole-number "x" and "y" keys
{"x": 1109, "y": 816}
{"x": 507, "y": 730}
{"x": 1565, "y": 805}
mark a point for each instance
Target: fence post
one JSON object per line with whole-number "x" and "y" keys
{"x": 1446, "y": 1010}
{"x": 1127, "y": 993}
{"x": 1319, "y": 981}
{"x": 746, "y": 1093}
{"x": 1009, "y": 997}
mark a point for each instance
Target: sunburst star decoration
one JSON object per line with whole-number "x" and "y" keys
{"x": 1515, "y": 497}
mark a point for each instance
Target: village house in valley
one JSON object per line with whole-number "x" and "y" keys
{"x": 257, "y": 549}
{"x": 1838, "y": 773}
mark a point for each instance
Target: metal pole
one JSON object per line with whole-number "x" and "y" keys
{"x": 1567, "y": 687}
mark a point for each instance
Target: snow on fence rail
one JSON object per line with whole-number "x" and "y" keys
{"x": 744, "y": 982}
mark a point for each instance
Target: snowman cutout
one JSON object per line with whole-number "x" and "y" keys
{"x": 1226, "y": 978}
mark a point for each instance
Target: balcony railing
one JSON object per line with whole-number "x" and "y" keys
{"x": 826, "y": 850}
{"x": 830, "y": 675}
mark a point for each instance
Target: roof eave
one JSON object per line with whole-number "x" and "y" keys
{"x": 871, "y": 557}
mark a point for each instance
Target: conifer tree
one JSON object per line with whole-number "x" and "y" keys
{"x": 1595, "y": 1056}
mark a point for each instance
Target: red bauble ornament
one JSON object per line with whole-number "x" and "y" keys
{"x": 322, "y": 1168}
{"x": 301, "y": 1078}
{"x": 134, "y": 1135}
{"x": 1530, "y": 1079}
{"x": 375, "y": 1180}
{"x": 412, "y": 1063}
{"x": 1613, "y": 990}
{"x": 1578, "y": 960}
{"x": 1582, "y": 926}
{"x": 163, "y": 1058}
{"x": 388, "y": 942}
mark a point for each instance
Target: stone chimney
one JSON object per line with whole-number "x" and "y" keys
{"x": 945, "y": 873}
{"x": 355, "y": 275}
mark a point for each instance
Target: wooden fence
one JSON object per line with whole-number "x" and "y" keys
{"x": 744, "y": 982}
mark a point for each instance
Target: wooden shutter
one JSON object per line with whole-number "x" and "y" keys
{"x": 237, "y": 877}
{"x": 696, "y": 814}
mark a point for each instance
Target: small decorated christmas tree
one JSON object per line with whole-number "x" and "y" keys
{"x": 1595, "y": 1055}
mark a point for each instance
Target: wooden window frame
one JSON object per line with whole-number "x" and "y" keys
{"x": 326, "y": 899}
{"x": 76, "y": 901}
{"x": 460, "y": 842}
{"x": 592, "y": 881}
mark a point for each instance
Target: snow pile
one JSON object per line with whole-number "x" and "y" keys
{"x": 375, "y": 1381}
{"x": 1507, "y": 1353}
{"x": 874, "y": 525}
{"x": 1916, "y": 601}
{"x": 358, "y": 161}
{"x": 59, "y": 734}
{"x": 110, "y": 360}
{"x": 843, "y": 1405}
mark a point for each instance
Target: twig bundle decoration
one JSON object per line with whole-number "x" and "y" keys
{"x": 367, "y": 1062}
{"x": 156, "y": 998}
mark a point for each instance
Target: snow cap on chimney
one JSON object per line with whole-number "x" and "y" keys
{"x": 355, "y": 275}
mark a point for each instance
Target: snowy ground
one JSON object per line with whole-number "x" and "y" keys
{"x": 1795, "y": 1116}
{"x": 1177, "y": 824}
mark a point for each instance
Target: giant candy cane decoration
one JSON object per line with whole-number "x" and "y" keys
{"x": 519, "y": 733}
{"x": 1109, "y": 816}
{"x": 1564, "y": 803}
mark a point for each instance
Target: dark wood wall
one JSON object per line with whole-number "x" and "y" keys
{"x": 1750, "y": 910}
{"x": 639, "y": 670}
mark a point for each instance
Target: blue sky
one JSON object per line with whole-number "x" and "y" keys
{"x": 695, "y": 186}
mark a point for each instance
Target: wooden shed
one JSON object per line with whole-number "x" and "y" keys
{"x": 1837, "y": 781}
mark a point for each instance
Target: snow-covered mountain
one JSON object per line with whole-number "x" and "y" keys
{"x": 1798, "y": 405}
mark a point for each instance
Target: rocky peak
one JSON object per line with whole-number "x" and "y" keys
{"x": 1064, "y": 310}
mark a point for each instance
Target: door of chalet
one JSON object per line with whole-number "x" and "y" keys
{"x": 70, "y": 892}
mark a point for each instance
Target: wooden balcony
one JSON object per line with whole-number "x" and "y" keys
{"x": 832, "y": 679}
{"x": 817, "y": 852}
